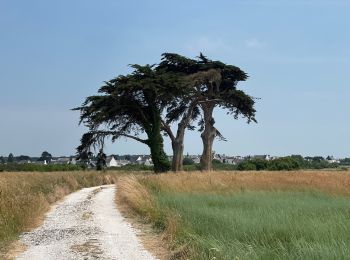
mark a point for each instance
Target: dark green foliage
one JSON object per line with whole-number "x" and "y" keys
{"x": 211, "y": 81}
{"x": 10, "y": 158}
{"x": 216, "y": 161}
{"x": 260, "y": 164}
{"x": 288, "y": 163}
{"x": 45, "y": 156}
{"x": 246, "y": 166}
{"x": 22, "y": 158}
{"x": 134, "y": 104}
{"x": 101, "y": 160}
{"x": 128, "y": 106}
{"x": 159, "y": 158}
{"x": 85, "y": 158}
{"x": 188, "y": 161}
{"x": 2, "y": 160}
{"x": 345, "y": 161}
{"x": 284, "y": 163}
{"x": 209, "y": 84}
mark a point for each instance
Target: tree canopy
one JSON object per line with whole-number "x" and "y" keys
{"x": 129, "y": 106}
{"x": 209, "y": 84}
{"x": 10, "y": 158}
{"x": 45, "y": 156}
{"x": 153, "y": 97}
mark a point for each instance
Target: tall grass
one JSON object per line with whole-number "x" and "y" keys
{"x": 25, "y": 197}
{"x": 262, "y": 225}
{"x": 300, "y": 215}
{"x": 32, "y": 167}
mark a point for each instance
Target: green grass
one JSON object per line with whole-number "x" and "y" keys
{"x": 261, "y": 224}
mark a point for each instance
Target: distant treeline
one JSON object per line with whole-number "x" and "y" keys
{"x": 32, "y": 167}
{"x": 288, "y": 163}
{"x": 345, "y": 161}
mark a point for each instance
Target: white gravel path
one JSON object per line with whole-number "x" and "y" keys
{"x": 86, "y": 225}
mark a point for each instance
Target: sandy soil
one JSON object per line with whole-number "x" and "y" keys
{"x": 85, "y": 225}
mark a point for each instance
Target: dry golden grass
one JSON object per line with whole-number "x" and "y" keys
{"x": 333, "y": 182}
{"x": 132, "y": 193}
{"x": 132, "y": 197}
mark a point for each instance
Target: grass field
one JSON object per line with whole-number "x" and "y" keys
{"x": 283, "y": 215}
{"x": 25, "y": 197}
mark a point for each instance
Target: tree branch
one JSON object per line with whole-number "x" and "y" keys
{"x": 168, "y": 130}
{"x": 186, "y": 118}
{"x": 210, "y": 100}
{"x": 135, "y": 138}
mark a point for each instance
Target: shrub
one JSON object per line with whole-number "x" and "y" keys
{"x": 187, "y": 161}
{"x": 246, "y": 166}
{"x": 260, "y": 164}
{"x": 283, "y": 163}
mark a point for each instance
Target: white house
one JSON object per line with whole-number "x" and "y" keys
{"x": 148, "y": 162}
{"x": 196, "y": 159}
{"x": 112, "y": 162}
{"x": 139, "y": 160}
{"x": 123, "y": 162}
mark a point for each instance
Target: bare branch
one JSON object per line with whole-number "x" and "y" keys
{"x": 135, "y": 138}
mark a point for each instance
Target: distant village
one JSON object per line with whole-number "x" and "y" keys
{"x": 122, "y": 160}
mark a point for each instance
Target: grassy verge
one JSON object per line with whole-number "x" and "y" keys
{"x": 298, "y": 215}
{"x": 32, "y": 167}
{"x": 25, "y": 197}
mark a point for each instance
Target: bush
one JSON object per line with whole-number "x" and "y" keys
{"x": 187, "y": 161}
{"x": 246, "y": 166}
{"x": 283, "y": 163}
{"x": 288, "y": 163}
{"x": 260, "y": 164}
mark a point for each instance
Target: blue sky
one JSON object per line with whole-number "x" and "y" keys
{"x": 55, "y": 53}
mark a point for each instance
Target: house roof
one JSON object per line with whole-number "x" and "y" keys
{"x": 109, "y": 158}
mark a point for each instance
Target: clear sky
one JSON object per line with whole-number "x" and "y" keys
{"x": 297, "y": 53}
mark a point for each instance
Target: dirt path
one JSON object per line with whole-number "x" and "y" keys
{"x": 86, "y": 225}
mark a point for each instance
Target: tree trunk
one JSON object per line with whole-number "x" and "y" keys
{"x": 177, "y": 142}
{"x": 155, "y": 143}
{"x": 208, "y": 137}
{"x": 178, "y": 155}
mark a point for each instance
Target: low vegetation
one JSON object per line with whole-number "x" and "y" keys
{"x": 288, "y": 163}
{"x": 265, "y": 215}
{"x": 25, "y": 197}
{"x": 32, "y": 167}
